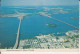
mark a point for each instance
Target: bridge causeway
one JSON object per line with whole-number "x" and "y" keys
{"x": 59, "y": 20}
{"x": 64, "y": 22}
{"x": 17, "y": 38}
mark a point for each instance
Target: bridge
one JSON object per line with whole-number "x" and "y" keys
{"x": 44, "y": 14}
{"x": 65, "y": 23}
{"x": 20, "y": 17}
{"x": 17, "y": 38}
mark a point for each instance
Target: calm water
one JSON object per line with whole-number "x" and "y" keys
{"x": 33, "y": 25}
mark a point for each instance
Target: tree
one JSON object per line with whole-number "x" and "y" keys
{"x": 57, "y": 38}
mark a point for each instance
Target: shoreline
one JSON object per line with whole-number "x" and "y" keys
{"x": 51, "y": 42}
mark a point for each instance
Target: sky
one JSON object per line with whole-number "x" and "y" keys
{"x": 38, "y": 2}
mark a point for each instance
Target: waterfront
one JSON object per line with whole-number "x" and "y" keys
{"x": 35, "y": 24}
{"x": 50, "y": 41}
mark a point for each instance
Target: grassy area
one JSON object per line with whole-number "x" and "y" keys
{"x": 51, "y": 25}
